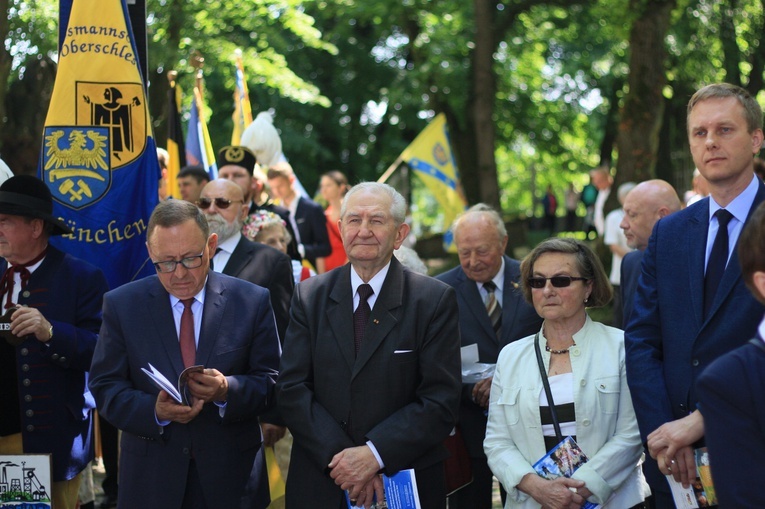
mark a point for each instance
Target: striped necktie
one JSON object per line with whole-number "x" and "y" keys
{"x": 493, "y": 307}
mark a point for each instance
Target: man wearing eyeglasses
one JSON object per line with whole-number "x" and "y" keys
{"x": 208, "y": 454}
{"x": 223, "y": 205}
{"x": 691, "y": 304}
{"x": 481, "y": 240}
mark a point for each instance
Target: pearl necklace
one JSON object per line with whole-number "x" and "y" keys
{"x": 559, "y": 352}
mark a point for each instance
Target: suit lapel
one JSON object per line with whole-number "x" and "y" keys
{"x": 340, "y": 314}
{"x": 511, "y": 300}
{"x": 696, "y": 242}
{"x": 238, "y": 259}
{"x": 160, "y": 313}
{"x": 384, "y": 315}
{"x": 733, "y": 270}
{"x": 469, "y": 289}
{"x": 212, "y": 318}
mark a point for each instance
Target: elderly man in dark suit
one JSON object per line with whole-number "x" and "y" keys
{"x": 222, "y": 203}
{"x": 54, "y": 304}
{"x": 731, "y": 393}
{"x": 370, "y": 374}
{"x": 648, "y": 202}
{"x": 481, "y": 240}
{"x": 691, "y": 305}
{"x": 208, "y": 454}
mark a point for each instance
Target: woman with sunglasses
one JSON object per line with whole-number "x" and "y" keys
{"x": 583, "y": 364}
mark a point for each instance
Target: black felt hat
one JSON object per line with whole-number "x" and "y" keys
{"x": 238, "y": 156}
{"x": 27, "y": 196}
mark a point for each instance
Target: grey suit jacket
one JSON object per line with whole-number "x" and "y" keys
{"x": 267, "y": 267}
{"x": 401, "y": 392}
{"x": 238, "y": 338}
{"x": 519, "y": 319}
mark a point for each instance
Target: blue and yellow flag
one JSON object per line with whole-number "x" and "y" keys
{"x": 199, "y": 150}
{"x": 98, "y": 156}
{"x": 242, "y": 109}
{"x": 431, "y": 159}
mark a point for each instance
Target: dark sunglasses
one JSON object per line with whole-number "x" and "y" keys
{"x": 221, "y": 203}
{"x": 557, "y": 281}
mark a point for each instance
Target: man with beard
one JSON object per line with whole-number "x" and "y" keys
{"x": 222, "y": 202}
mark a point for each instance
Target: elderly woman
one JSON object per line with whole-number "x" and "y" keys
{"x": 269, "y": 229}
{"x": 584, "y": 364}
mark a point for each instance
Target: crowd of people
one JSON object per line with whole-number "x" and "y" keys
{"x": 279, "y": 318}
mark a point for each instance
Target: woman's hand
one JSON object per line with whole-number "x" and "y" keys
{"x": 562, "y": 493}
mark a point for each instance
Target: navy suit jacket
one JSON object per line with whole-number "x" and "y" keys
{"x": 630, "y": 272}
{"x": 55, "y": 405}
{"x": 731, "y": 401}
{"x": 519, "y": 319}
{"x": 401, "y": 391}
{"x": 238, "y": 338}
{"x": 668, "y": 341}
{"x": 312, "y": 226}
{"x": 267, "y": 267}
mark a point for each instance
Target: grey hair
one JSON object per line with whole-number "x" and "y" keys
{"x": 397, "y": 205}
{"x": 488, "y": 212}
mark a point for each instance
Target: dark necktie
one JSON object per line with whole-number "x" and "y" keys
{"x": 361, "y": 315}
{"x": 718, "y": 258}
{"x": 186, "y": 335}
{"x": 493, "y": 307}
{"x": 217, "y": 250}
{"x": 7, "y": 284}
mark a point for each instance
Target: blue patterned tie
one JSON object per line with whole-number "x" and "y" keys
{"x": 493, "y": 307}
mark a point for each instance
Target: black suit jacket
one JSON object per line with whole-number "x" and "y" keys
{"x": 401, "y": 392}
{"x": 267, "y": 267}
{"x": 312, "y": 225}
{"x": 629, "y": 281}
{"x": 519, "y": 319}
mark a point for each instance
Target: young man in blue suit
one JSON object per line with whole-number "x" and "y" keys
{"x": 206, "y": 455}
{"x": 54, "y": 304}
{"x": 481, "y": 239}
{"x": 691, "y": 305}
{"x": 731, "y": 393}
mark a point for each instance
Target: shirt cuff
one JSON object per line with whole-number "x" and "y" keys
{"x": 377, "y": 455}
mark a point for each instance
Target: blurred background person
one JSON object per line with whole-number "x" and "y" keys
{"x": 601, "y": 179}
{"x": 191, "y": 180}
{"x": 614, "y": 238}
{"x": 584, "y": 362}
{"x": 699, "y": 190}
{"x": 549, "y": 207}
{"x": 163, "y": 158}
{"x": 270, "y": 229}
{"x": 333, "y": 186}
{"x": 572, "y": 200}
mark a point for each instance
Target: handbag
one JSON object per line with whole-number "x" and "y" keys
{"x": 457, "y": 467}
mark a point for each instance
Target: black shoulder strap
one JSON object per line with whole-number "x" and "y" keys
{"x": 548, "y": 392}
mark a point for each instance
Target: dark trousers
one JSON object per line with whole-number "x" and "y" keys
{"x": 193, "y": 498}
{"x": 110, "y": 454}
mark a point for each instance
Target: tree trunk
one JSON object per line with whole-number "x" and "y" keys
{"x": 642, "y": 113}
{"x": 482, "y": 113}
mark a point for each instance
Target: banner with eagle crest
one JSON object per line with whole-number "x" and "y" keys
{"x": 98, "y": 155}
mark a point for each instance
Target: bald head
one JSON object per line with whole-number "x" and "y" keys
{"x": 648, "y": 202}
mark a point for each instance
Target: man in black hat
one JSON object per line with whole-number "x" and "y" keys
{"x": 239, "y": 164}
{"x": 51, "y": 306}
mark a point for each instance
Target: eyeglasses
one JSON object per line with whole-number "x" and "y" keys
{"x": 190, "y": 262}
{"x": 557, "y": 281}
{"x": 221, "y": 203}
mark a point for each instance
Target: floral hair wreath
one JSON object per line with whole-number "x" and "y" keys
{"x": 255, "y": 222}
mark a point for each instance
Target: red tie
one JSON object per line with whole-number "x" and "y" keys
{"x": 186, "y": 336}
{"x": 7, "y": 283}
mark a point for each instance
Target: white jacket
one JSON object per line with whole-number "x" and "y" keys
{"x": 606, "y": 428}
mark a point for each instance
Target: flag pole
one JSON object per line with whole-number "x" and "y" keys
{"x": 385, "y": 176}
